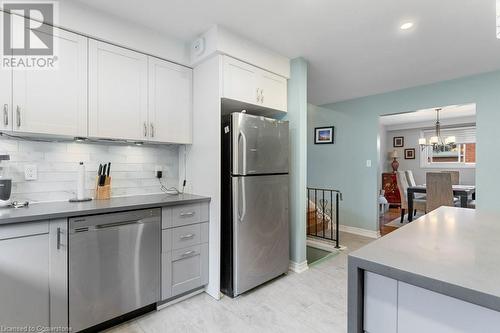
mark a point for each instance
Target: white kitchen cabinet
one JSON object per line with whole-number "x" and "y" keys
{"x": 58, "y": 272}
{"x": 249, "y": 84}
{"x": 6, "y": 99}
{"x": 184, "y": 249}
{"x": 5, "y": 93}
{"x": 380, "y": 304}
{"x": 54, "y": 101}
{"x": 422, "y": 310}
{"x": 273, "y": 91}
{"x": 170, "y": 102}
{"x": 33, "y": 274}
{"x": 240, "y": 81}
{"x": 118, "y": 95}
{"x": 24, "y": 274}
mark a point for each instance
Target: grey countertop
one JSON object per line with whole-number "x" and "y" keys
{"x": 453, "y": 251}
{"x": 52, "y": 210}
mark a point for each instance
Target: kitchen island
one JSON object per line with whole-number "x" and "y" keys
{"x": 440, "y": 273}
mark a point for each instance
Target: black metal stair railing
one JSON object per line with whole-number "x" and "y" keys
{"x": 323, "y": 214}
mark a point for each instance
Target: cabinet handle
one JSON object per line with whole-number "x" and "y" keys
{"x": 187, "y": 214}
{"x": 152, "y": 130}
{"x": 258, "y": 95}
{"x": 5, "y": 114}
{"x": 189, "y": 253}
{"x": 145, "y": 129}
{"x": 262, "y": 96}
{"x": 18, "y": 114}
{"x": 58, "y": 238}
{"x": 188, "y": 236}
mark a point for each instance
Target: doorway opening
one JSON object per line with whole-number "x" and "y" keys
{"x": 413, "y": 145}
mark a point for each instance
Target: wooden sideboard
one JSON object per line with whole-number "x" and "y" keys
{"x": 390, "y": 186}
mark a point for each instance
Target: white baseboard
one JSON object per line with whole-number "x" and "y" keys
{"x": 360, "y": 231}
{"x": 298, "y": 267}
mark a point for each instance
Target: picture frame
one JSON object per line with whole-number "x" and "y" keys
{"x": 324, "y": 135}
{"x": 398, "y": 141}
{"x": 410, "y": 154}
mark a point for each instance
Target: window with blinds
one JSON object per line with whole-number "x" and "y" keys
{"x": 461, "y": 154}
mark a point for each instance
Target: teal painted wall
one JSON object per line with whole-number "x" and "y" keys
{"x": 343, "y": 165}
{"x": 297, "y": 116}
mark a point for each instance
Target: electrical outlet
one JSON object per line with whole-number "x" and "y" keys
{"x": 30, "y": 172}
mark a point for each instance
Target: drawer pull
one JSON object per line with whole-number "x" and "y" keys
{"x": 187, "y": 214}
{"x": 189, "y": 253}
{"x": 188, "y": 236}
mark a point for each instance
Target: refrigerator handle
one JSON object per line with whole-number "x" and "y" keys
{"x": 243, "y": 199}
{"x": 244, "y": 152}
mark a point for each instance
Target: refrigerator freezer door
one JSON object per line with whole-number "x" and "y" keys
{"x": 260, "y": 230}
{"x": 259, "y": 145}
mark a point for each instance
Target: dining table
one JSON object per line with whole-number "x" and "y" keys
{"x": 463, "y": 192}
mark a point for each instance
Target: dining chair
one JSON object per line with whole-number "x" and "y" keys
{"x": 410, "y": 178}
{"x": 418, "y": 203}
{"x": 411, "y": 182}
{"x": 455, "y": 177}
{"x": 439, "y": 190}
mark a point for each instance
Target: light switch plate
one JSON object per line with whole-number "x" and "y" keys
{"x": 30, "y": 172}
{"x": 368, "y": 163}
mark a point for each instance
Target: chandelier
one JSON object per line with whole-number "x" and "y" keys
{"x": 436, "y": 142}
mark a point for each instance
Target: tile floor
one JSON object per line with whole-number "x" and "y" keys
{"x": 314, "y": 301}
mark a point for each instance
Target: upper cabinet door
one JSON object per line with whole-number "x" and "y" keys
{"x": 273, "y": 91}
{"x": 118, "y": 101}
{"x": 249, "y": 84}
{"x": 54, "y": 101}
{"x": 6, "y": 99}
{"x": 5, "y": 94}
{"x": 241, "y": 81}
{"x": 170, "y": 102}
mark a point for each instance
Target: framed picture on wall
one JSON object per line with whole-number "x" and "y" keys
{"x": 324, "y": 135}
{"x": 398, "y": 141}
{"x": 410, "y": 154}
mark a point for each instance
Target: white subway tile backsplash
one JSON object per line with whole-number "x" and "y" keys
{"x": 132, "y": 168}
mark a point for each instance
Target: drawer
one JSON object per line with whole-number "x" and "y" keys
{"x": 189, "y": 214}
{"x": 189, "y": 268}
{"x": 181, "y": 237}
{"x": 177, "y": 216}
{"x": 23, "y": 229}
{"x": 186, "y": 236}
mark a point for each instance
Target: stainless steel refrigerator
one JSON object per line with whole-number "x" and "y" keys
{"x": 254, "y": 207}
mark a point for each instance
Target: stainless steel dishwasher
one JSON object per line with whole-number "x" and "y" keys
{"x": 114, "y": 265}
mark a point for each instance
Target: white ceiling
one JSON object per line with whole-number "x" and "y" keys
{"x": 466, "y": 111}
{"x": 355, "y": 47}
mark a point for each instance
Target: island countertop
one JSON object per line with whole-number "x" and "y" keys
{"x": 452, "y": 251}
{"x": 62, "y": 209}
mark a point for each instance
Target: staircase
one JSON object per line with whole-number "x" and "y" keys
{"x": 323, "y": 214}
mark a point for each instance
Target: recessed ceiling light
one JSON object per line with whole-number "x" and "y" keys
{"x": 406, "y": 26}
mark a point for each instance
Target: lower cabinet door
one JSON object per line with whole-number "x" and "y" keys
{"x": 189, "y": 268}
{"x": 380, "y": 304}
{"x": 422, "y": 310}
{"x": 24, "y": 281}
{"x": 166, "y": 275}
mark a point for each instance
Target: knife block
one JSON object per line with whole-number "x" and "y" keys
{"x": 103, "y": 192}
